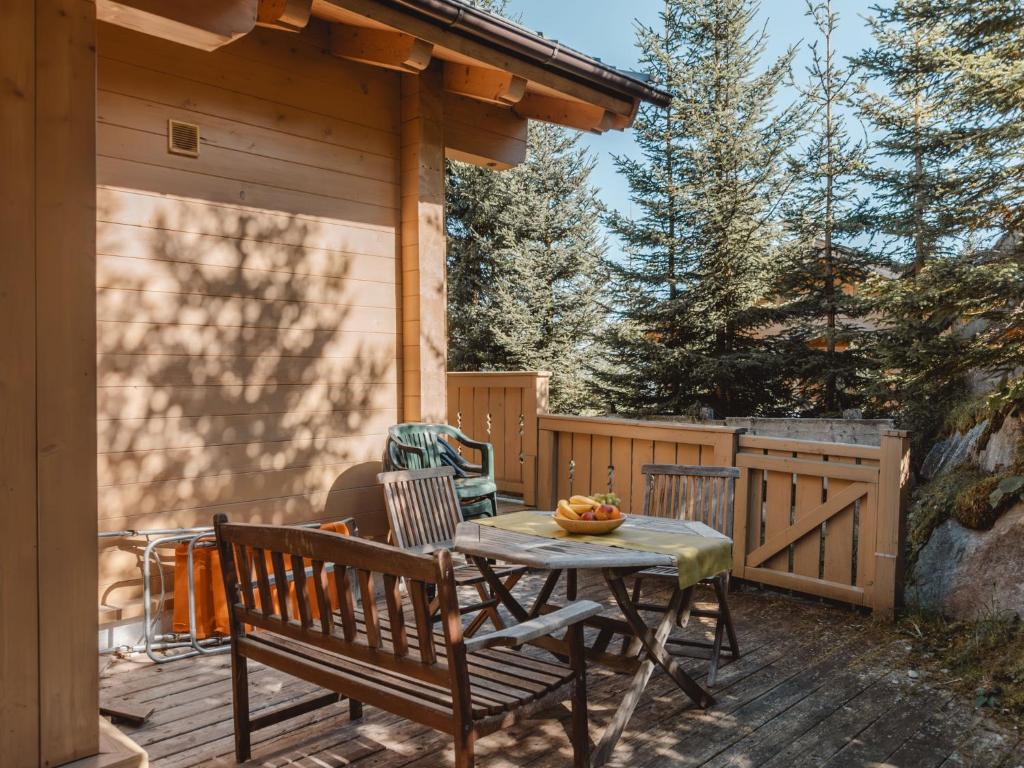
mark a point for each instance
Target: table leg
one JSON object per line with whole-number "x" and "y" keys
{"x": 654, "y": 650}
{"x": 545, "y": 593}
{"x": 500, "y": 590}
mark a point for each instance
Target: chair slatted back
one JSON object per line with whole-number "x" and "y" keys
{"x": 355, "y": 570}
{"x": 426, "y": 439}
{"x": 423, "y": 507}
{"x": 703, "y": 494}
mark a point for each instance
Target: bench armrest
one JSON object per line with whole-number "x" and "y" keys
{"x": 542, "y": 626}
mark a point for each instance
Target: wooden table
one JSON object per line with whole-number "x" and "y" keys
{"x": 644, "y": 647}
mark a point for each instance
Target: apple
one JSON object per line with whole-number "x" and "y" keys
{"x": 590, "y": 516}
{"x": 605, "y": 512}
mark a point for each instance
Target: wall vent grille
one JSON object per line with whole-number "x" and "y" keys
{"x": 182, "y": 138}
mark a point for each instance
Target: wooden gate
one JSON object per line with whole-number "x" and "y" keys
{"x": 822, "y": 518}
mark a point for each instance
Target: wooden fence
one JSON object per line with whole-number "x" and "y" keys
{"x": 586, "y": 455}
{"x": 820, "y": 518}
{"x": 502, "y": 409}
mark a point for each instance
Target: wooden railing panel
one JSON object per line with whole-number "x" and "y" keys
{"x": 821, "y": 526}
{"x": 817, "y": 517}
{"x": 502, "y": 408}
{"x": 597, "y": 455}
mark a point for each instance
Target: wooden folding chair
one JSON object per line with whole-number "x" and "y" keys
{"x": 423, "y": 510}
{"x": 706, "y": 495}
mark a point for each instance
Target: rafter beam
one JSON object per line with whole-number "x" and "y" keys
{"x": 287, "y": 15}
{"x": 483, "y": 84}
{"x": 381, "y": 48}
{"x": 392, "y": 15}
{"x": 483, "y": 134}
{"x": 197, "y": 23}
{"x": 572, "y": 114}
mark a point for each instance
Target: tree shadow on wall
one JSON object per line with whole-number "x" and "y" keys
{"x": 246, "y": 366}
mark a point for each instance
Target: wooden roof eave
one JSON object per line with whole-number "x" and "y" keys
{"x": 535, "y": 90}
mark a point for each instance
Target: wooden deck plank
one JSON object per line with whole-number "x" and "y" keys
{"x": 815, "y": 686}
{"x": 795, "y": 721}
{"x": 750, "y": 705}
{"x": 907, "y": 716}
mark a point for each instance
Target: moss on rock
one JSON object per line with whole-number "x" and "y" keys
{"x": 934, "y": 504}
{"x": 972, "y": 508}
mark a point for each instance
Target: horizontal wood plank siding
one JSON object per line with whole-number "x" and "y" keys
{"x": 247, "y": 299}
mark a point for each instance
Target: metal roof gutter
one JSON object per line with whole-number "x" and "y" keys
{"x": 499, "y": 32}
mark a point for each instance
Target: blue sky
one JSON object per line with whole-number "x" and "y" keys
{"x": 606, "y": 29}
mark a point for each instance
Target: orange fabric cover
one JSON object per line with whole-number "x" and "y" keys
{"x": 211, "y": 601}
{"x": 206, "y": 579}
{"x": 332, "y": 592}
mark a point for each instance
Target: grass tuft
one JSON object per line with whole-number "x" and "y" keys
{"x": 983, "y": 659}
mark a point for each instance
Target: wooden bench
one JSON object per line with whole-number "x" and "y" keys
{"x": 388, "y": 655}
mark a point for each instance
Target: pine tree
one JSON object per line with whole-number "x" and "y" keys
{"x": 907, "y": 211}
{"x": 526, "y": 266}
{"x": 700, "y": 248}
{"x": 970, "y": 65}
{"x": 820, "y": 323}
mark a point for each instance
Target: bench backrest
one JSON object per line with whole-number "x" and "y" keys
{"x": 330, "y": 568}
{"x": 682, "y": 492}
{"x": 423, "y": 506}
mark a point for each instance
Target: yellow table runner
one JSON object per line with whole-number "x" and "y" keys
{"x": 697, "y": 557}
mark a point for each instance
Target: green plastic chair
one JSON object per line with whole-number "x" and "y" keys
{"x": 423, "y": 446}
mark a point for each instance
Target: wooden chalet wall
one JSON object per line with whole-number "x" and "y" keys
{"x": 249, "y": 299}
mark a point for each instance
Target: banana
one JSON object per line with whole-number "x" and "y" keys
{"x": 566, "y": 511}
{"x": 584, "y": 500}
{"x": 579, "y": 508}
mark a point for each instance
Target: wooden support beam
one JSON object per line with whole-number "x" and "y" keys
{"x": 572, "y": 114}
{"x": 424, "y": 297}
{"x": 48, "y": 557}
{"x": 286, "y": 15}
{"x": 483, "y": 134}
{"x": 197, "y": 23}
{"x": 491, "y": 85}
{"x": 381, "y": 48}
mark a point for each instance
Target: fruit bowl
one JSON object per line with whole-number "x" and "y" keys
{"x": 590, "y": 527}
{"x": 595, "y": 515}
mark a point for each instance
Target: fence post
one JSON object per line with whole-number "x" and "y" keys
{"x": 547, "y": 460}
{"x": 535, "y": 405}
{"x": 740, "y": 510}
{"x": 893, "y": 472}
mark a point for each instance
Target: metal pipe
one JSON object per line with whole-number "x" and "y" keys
{"x": 162, "y": 642}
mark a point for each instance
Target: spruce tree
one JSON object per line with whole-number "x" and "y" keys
{"x": 526, "y": 266}
{"x": 706, "y": 188}
{"x": 969, "y": 59}
{"x": 819, "y": 322}
{"x": 907, "y": 210}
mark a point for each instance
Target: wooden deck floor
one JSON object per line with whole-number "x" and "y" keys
{"x": 816, "y": 686}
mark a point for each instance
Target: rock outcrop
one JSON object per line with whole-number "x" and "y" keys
{"x": 966, "y": 574}
{"x": 950, "y": 453}
{"x": 1001, "y": 449}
